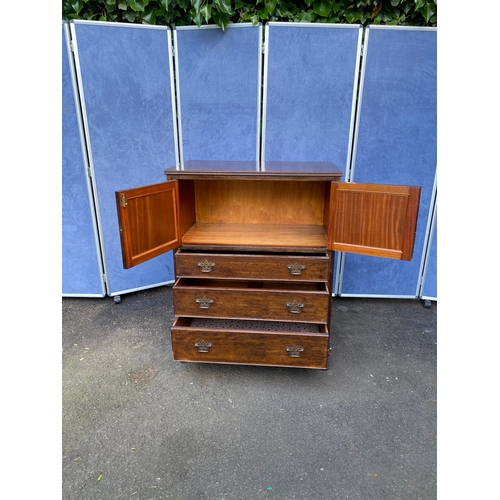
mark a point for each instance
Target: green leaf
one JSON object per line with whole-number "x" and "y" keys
{"x": 136, "y": 6}
{"x": 309, "y": 2}
{"x": 336, "y": 6}
{"x": 322, "y": 8}
{"x": 270, "y": 5}
{"x": 394, "y": 3}
{"x": 206, "y": 11}
{"x": 419, "y": 4}
{"x": 428, "y": 11}
{"x": 196, "y": 5}
{"x": 122, "y": 5}
{"x": 224, "y": 7}
{"x": 407, "y": 6}
{"x": 77, "y": 6}
{"x": 196, "y": 17}
{"x": 354, "y": 15}
{"x": 221, "y": 19}
{"x": 381, "y": 17}
{"x": 306, "y": 17}
{"x": 263, "y": 14}
{"x": 129, "y": 16}
{"x": 238, "y": 5}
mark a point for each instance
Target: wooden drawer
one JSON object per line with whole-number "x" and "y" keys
{"x": 285, "y": 301}
{"x": 253, "y": 266}
{"x": 247, "y": 342}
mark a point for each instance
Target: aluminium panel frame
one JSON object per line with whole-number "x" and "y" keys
{"x": 81, "y": 92}
{"x": 85, "y": 161}
{"x": 180, "y": 165}
{"x": 355, "y": 86}
{"x": 427, "y": 256}
{"x": 350, "y": 173}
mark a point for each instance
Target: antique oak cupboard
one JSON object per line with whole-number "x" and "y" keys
{"x": 254, "y": 252}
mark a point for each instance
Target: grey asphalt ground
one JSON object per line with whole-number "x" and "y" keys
{"x": 138, "y": 425}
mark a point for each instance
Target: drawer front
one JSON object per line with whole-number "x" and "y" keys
{"x": 248, "y": 266}
{"x": 249, "y": 347}
{"x": 251, "y": 303}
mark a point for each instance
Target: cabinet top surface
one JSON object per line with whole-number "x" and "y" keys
{"x": 256, "y": 170}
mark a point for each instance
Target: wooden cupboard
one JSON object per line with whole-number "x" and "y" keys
{"x": 254, "y": 252}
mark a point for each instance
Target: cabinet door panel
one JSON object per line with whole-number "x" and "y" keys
{"x": 373, "y": 219}
{"x": 149, "y": 221}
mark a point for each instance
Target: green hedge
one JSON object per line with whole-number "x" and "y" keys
{"x": 222, "y": 12}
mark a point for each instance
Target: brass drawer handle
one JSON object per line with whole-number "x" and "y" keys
{"x": 294, "y": 351}
{"x": 205, "y": 266}
{"x": 294, "y": 307}
{"x": 203, "y": 346}
{"x": 296, "y": 269}
{"x": 204, "y": 303}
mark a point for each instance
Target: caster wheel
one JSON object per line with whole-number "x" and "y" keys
{"x": 117, "y": 299}
{"x": 427, "y": 304}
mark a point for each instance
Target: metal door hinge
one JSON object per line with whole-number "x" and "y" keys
{"x": 123, "y": 201}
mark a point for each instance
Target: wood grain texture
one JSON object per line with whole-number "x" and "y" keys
{"x": 373, "y": 219}
{"x": 148, "y": 219}
{"x": 261, "y": 202}
{"x": 249, "y": 347}
{"x": 257, "y": 236}
{"x": 254, "y": 266}
{"x": 252, "y": 300}
{"x": 251, "y": 170}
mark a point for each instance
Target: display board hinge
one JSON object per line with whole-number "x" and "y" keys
{"x": 104, "y": 277}
{"x": 263, "y": 48}
{"x": 71, "y": 46}
{"x": 362, "y": 49}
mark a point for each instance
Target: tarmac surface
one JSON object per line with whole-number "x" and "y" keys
{"x": 138, "y": 425}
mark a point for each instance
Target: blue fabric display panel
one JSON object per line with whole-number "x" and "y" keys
{"x": 429, "y": 290}
{"x": 395, "y": 143}
{"x": 125, "y": 85}
{"x": 218, "y": 77}
{"x": 81, "y": 269}
{"x": 310, "y": 82}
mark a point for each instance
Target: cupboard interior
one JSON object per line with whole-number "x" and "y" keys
{"x": 260, "y": 214}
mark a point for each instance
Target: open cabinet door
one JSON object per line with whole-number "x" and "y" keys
{"x": 148, "y": 218}
{"x": 373, "y": 219}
